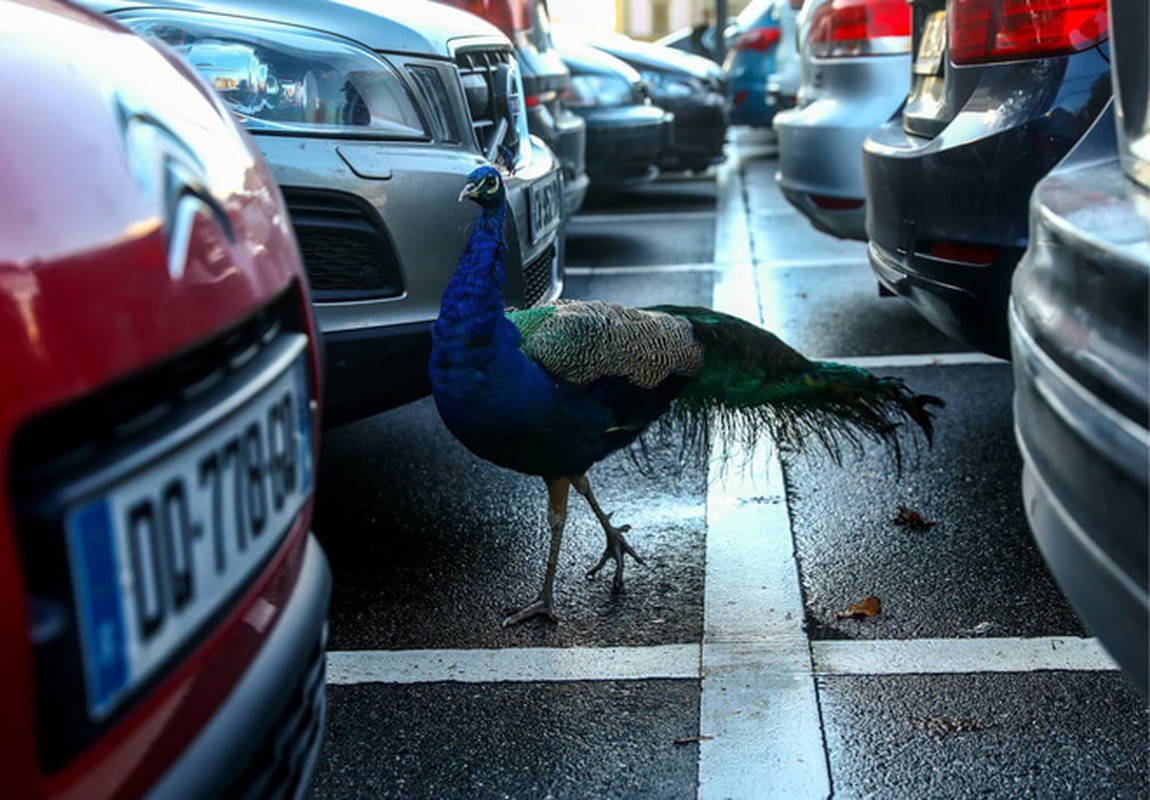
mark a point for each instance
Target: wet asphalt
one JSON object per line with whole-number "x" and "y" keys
{"x": 429, "y": 545}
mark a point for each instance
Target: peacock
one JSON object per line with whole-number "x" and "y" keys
{"x": 550, "y": 391}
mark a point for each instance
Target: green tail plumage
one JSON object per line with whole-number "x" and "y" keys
{"x": 752, "y": 384}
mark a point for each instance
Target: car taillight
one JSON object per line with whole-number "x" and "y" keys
{"x": 845, "y": 28}
{"x": 759, "y": 39}
{"x": 828, "y": 203}
{"x": 974, "y": 254}
{"x": 982, "y": 31}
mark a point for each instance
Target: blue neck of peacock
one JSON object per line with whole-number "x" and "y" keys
{"x": 474, "y": 296}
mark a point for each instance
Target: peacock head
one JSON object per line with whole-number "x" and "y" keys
{"x": 484, "y": 186}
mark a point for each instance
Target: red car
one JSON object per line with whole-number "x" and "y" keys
{"x": 162, "y": 600}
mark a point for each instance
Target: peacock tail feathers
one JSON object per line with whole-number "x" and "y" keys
{"x": 753, "y": 384}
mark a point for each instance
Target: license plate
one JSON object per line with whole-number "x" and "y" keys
{"x": 933, "y": 45}
{"x": 546, "y": 204}
{"x": 157, "y": 553}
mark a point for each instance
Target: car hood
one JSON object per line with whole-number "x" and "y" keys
{"x": 583, "y": 59}
{"x": 406, "y": 26}
{"x": 644, "y": 55}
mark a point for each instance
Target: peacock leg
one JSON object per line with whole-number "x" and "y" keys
{"x": 544, "y": 604}
{"x": 617, "y": 546}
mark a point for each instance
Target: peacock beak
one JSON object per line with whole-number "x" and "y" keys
{"x": 468, "y": 191}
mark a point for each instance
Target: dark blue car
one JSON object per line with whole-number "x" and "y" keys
{"x": 998, "y": 96}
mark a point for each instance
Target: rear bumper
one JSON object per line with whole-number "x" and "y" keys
{"x": 1087, "y": 511}
{"x": 820, "y": 144}
{"x": 266, "y": 737}
{"x": 1079, "y": 331}
{"x": 968, "y": 303}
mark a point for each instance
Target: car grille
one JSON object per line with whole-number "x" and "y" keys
{"x": 283, "y": 766}
{"x": 481, "y": 71}
{"x": 52, "y": 449}
{"x": 347, "y": 252}
{"x": 537, "y": 276}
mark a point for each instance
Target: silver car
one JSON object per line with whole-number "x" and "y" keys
{"x": 370, "y": 116}
{"x": 851, "y": 84}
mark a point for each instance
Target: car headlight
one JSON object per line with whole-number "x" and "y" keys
{"x": 281, "y": 79}
{"x": 665, "y": 85}
{"x": 595, "y": 90}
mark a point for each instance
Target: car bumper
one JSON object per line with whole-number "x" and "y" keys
{"x": 820, "y": 144}
{"x": 1079, "y": 327}
{"x": 968, "y": 189}
{"x": 698, "y": 134}
{"x": 623, "y": 145}
{"x": 265, "y": 739}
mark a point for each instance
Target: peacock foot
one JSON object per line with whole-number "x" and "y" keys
{"x": 617, "y": 547}
{"x": 539, "y": 608}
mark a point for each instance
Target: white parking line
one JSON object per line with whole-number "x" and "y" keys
{"x": 771, "y": 642}
{"x": 942, "y": 656}
{"x": 514, "y": 665}
{"x": 758, "y": 709}
{"x": 641, "y": 270}
{"x": 653, "y": 216}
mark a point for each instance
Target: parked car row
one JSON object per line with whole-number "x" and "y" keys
{"x": 996, "y": 158}
{"x": 227, "y": 226}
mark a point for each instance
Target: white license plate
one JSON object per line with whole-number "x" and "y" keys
{"x": 933, "y": 45}
{"x": 157, "y": 553}
{"x": 545, "y": 207}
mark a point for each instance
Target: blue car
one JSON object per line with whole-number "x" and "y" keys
{"x": 751, "y": 61}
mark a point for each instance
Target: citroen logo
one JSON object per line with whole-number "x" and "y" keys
{"x": 167, "y": 169}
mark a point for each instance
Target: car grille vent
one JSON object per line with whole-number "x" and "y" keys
{"x": 75, "y": 434}
{"x": 347, "y": 252}
{"x": 283, "y": 766}
{"x": 537, "y": 276}
{"x": 481, "y": 71}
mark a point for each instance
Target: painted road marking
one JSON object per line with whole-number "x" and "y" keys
{"x": 684, "y": 661}
{"x": 514, "y": 665}
{"x": 943, "y": 656}
{"x": 642, "y": 270}
{"x": 758, "y": 701}
{"x": 653, "y": 216}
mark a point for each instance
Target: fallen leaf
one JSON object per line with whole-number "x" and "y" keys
{"x": 867, "y": 607}
{"x": 911, "y": 518}
{"x": 944, "y": 726}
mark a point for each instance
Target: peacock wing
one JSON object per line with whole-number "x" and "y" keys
{"x": 582, "y": 341}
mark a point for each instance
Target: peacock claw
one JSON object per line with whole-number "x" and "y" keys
{"x": 539, "y": 608}
{"x": 617, "y": 547}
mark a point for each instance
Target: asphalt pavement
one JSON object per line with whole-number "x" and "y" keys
{"x": 726, "y": 667}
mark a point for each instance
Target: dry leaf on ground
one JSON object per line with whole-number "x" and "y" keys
{"x": 911, "y": 518}
{"x": 867, "y": 607}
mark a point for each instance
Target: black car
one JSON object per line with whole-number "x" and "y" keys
{"x": 690, "y": 87}
{"x": 545, "y": 78}
{"x": 1079, "y": 328}
{"x": 998, "y": 97}
{"x": 626, "y": 133}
